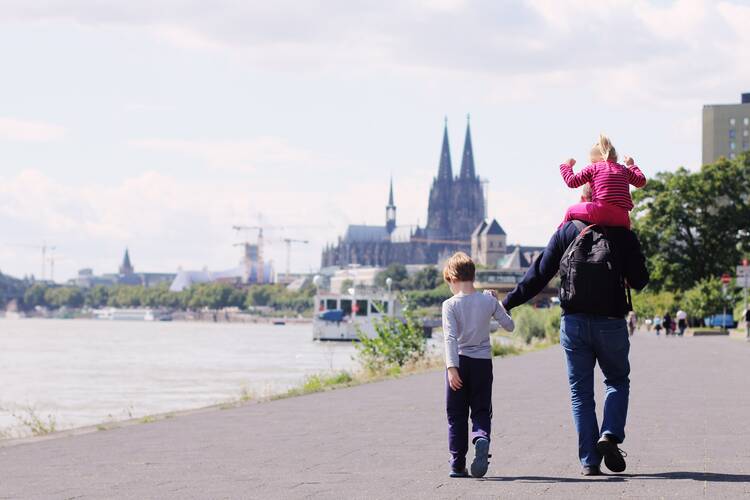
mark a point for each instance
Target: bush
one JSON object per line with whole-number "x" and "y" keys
{"x": 396, "y": 343}
{"x": 502, "y": 350}
{"x": 537, "y": 324}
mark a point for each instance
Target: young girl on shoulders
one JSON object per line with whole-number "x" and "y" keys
{"x": 609, "y": 181}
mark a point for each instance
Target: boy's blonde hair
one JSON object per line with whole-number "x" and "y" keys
{"x": 603, "y": 150}
{"x": 459, "y": 267}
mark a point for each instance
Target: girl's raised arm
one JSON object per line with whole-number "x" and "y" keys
{"x": 576, "y": 180}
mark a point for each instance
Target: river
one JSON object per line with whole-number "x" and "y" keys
{"x": 84, "y": 372}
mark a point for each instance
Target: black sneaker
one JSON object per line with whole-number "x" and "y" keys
{"x": 614, "y": 457}
{"x": 459, "y": 472}
{"x": 481, "y": 454}
{"x": 591, "y": 470}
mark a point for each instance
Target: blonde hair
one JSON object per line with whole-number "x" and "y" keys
{"x": 603, "y": 150}
{"x": 459, "y": 267}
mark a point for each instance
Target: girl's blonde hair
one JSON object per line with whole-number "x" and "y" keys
{"x": 603, "y": 150}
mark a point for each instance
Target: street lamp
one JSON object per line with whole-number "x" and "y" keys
{"x": 389, "y": 283}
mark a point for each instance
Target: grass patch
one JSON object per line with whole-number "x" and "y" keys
{"x": 38, "y": 425}
{"x": 148, "y": 419}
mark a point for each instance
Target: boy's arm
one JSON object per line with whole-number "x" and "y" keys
{"x": 502, "y": 317}
{"x": 635, "y": 176}
{"x": 576, "y": 180}
{"x": 450, "y": 334}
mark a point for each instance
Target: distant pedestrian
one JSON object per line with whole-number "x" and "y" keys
{"x": 648, "y": 322}
{"x": 681, "y": 322}
{"x": 657, "y": 324}
{"x": 468, "y": 358}
{"x": 668, "y": 324}
{"x": 632, "y": 322}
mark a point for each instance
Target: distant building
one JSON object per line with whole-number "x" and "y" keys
{"x": 488, "y": 243}
{"x": 456, "y": 205}
{"x": 125, "y": 276}
{"x": 726, "y": 129}
{"x": 248, "y": 272}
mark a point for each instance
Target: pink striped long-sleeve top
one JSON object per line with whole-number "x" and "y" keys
{"x": 610, "y": 181}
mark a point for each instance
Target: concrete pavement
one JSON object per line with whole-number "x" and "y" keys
{"x": 688, "y": 437}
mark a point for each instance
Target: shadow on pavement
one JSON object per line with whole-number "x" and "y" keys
{"x": 546, "y": 479}
{"x": 696, "y": 476}
{"x": 712, "y": 477}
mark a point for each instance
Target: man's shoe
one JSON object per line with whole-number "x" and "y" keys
{"x": 481, "y": 456}
{"x": 591, "y": 470}
{"x": 459, "y": 473}
{"x": 614, "y": 457}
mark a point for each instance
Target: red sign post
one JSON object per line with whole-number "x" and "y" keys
{"x": 726, "y": 279}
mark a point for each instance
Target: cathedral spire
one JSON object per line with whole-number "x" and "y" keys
{"x": 445, "y": 170}
{"x": 467, "y": 161}
{"x": 390, "y": 212}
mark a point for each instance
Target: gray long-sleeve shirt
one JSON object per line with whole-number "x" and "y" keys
{"x": 466, "y": 325}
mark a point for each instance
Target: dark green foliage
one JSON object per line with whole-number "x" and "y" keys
{"x": 66, "y": 296}
{"x": 396, "y": 343}
{"x": 279, "y": 298}
{"x": 397, "y": 272}
{"x": 427, "y": 298}
{"x": 694, "y": 225}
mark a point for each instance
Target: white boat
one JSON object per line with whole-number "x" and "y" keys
{"x": 14, "y": 315}
{"x": 345, "y": 317}
{"x": 113, "y": 313}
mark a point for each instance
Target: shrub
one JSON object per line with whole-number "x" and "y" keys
{"x": 537, "y": 324}
{"x": 396, "y": 343}
{"x": 501, "y": 350}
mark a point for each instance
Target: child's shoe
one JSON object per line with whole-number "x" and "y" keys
{"x": 481, "y": 455}
{"x": 459, "y": 472}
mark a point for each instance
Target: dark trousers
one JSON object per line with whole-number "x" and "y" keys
{"x": 474, "y": 395}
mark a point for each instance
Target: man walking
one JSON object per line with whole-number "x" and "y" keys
{"x": 596, "y": 267}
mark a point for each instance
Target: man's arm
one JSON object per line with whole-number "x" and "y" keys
{"x": 635, "y": 264}
{"x": 543, "y": 269}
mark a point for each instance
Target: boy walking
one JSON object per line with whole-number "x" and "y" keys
{"x": 468, "y": 358}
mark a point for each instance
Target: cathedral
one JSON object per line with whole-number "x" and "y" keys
{"x": 456, "y": 207}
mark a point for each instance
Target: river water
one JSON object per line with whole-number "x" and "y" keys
{"x": 84, "y": 372}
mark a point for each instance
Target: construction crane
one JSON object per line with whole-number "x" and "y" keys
{"x": 289, "y": 242}
{"x": 44, "y": 247}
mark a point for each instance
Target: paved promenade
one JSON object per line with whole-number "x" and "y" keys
{"x": 689, "y": 437}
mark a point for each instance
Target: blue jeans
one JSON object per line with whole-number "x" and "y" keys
{"x": 586, "y": 340}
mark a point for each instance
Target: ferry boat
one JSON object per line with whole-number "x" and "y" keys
{"x": 344, "y": 316}
{"x": 113, "y": 313}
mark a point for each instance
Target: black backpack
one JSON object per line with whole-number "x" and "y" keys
{"x": 591, "y": 274}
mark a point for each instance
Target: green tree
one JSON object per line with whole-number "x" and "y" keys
{"x": 34, "y": 296}
{"x": 648, "y": 304}
{"x": 706, "y": 298}
{"x": 97, "y": 296}
{"x": 694, "y": 225}
{"x": 425, "y": 279}
{"x": 397, "y": 272}
{"x": 67, "y": 296}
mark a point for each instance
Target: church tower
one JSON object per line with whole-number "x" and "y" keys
{"x": 438, "y": 210}
{"x": 126, "y": 268}
{"x": 390, "y": 212}
{"x": 467, "y": 201}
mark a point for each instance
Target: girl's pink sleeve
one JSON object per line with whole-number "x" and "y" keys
{"x": 635, "y": 176}
{"x": 576, "y": 180}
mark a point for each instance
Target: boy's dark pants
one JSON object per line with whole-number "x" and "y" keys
{"x": 475, "y": 394}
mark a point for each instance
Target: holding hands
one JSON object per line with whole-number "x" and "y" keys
{"x": 629, "y": 161}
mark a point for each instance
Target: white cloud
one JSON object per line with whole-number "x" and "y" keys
{"x": 241, "y": 155}
{"x": 29, "y": 131}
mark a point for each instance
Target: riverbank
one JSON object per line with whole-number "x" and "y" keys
{"x": 503, "y": 346}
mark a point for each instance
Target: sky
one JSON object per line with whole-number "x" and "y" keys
{"x": 158, "y": 125}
